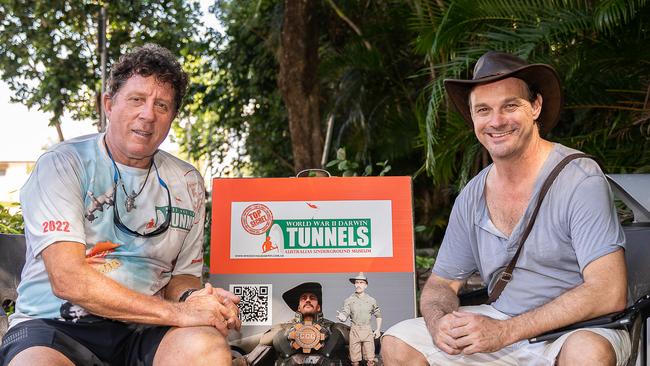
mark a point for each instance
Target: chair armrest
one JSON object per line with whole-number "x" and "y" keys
{"x": 4, "y": 324}
{"x": 614, "y": 321}
{"x": 621, "y": 320}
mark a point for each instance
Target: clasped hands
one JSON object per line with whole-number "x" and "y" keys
{"x": 467, "y": 333}
{"x": 216, "y": 307}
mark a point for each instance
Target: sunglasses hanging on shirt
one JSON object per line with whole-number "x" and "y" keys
{"x": 129, "y": 202}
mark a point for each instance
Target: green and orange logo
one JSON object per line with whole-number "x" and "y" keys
{"x": 325, "y": 233}
{"x": 305, "y": 234}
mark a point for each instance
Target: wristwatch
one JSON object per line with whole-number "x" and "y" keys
{"x": 187, "y": 294}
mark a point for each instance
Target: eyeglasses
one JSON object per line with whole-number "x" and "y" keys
{"x": 117, "y": 177}
{"x": 123, "y": 228}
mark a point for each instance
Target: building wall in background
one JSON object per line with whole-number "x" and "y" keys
{"x": 13, "y": 174}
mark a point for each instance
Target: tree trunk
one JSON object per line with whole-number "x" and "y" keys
{"x": 298, "y": 81}
{"x": 59, "y": 131}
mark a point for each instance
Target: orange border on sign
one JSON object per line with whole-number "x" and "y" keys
{"x": 228, "y": 190}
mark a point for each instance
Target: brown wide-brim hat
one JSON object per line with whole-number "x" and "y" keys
{"x": 494, "y": 66}
{"x": 292, "y": 297}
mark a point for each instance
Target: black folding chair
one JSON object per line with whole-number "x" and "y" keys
{"x": 12, "y": 260}
{"x": 634, "y": 317}
{"x": 634, "y": 191}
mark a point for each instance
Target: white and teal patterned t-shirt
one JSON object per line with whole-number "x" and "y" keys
{"x": 69, "y": 197}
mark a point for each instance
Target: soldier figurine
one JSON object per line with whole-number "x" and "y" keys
{"x": 360, "y": 307}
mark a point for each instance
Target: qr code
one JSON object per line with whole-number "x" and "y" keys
{"x": 255, "y": 307}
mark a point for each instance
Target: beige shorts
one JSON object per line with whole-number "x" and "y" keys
{"x": 414, "y": 332}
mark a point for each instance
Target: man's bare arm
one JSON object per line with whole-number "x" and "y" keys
{"x": 439, "y": 297}
{"x": 438, "y": 300}
{"x": 604, "y": 291}
{"x": 179, "y": 284}
{"x": 74, "y": 280}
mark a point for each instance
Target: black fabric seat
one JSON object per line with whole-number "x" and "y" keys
{"x": 12, "y": 260}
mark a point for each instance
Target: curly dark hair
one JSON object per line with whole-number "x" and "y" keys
{"x": 147, "y": 60}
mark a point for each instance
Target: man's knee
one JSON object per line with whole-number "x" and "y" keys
{"x": 193, "y": 346}
{"x": 586, "y": 348}
{"x": 40, "y": 356}
{"x": 395, "y": 351}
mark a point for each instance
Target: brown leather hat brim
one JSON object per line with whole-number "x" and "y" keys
{"x": 541, "y": 77}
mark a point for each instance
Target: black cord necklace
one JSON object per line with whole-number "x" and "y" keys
{"x": 130, "y": 198}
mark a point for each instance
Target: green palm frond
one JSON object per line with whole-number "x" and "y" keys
{"x": 371, "y": 102}
{"x": 611, "y": 15}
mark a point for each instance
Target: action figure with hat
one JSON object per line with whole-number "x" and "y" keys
{"x": 359, "y": 308}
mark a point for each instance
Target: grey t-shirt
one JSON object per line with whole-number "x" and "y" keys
{"x": 576, "y": 224}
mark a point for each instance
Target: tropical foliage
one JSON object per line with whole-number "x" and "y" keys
{"x": 11, "y": 222}
{"x": 236, "y": 107}
{"x": 364, "y": 83}
{"x": 598, "y": 48}
{"x": 369, "y": 90}
{"x": 49, "y": 52}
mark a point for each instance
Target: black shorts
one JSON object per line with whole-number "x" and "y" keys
{"x": 102, "y": 342}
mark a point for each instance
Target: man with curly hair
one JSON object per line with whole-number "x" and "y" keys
{"x": 114, "y": 227}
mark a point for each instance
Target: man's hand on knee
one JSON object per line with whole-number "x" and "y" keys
{"x": 474, "y": 333}
{"x": 209, "y": 310}
{"x": 442, "y": 335}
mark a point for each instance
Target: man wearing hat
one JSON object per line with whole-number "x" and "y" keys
{"x": 306, "y": 300}
{"x": 298, "y": 339}
{"x": 572, "y": 267}
{"x": 360, "y": 307}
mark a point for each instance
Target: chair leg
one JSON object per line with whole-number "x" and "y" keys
{"x": 644, "y": 346}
